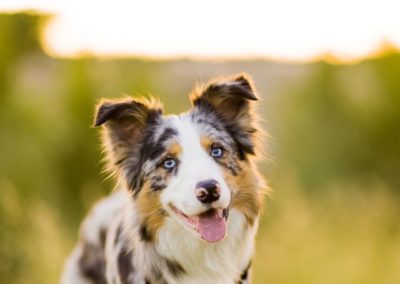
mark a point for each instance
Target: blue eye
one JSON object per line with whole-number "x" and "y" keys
{"x": 169, "y": 163}
{"x": 216, "y": 152}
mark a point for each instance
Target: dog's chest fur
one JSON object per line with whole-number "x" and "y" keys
{"x": 175, "y": 256}
{"x": 222, "y": 262}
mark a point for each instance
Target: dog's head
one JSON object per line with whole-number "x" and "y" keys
{"x": 192, "y": 167}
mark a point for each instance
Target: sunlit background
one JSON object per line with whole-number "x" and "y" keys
{"x": 286, "y": 29}
{"x": 328, "y": 73}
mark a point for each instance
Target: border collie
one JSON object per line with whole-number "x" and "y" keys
{"x": 189, "y": 197}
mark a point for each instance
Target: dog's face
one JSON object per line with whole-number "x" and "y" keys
{"x": 192, "y": 167}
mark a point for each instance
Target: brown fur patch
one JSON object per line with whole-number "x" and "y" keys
{"x": 206, "y": 142}
{"x": 248, "y": 197}
{"x": 174, "y": 149}
{"x": 152, "y": 215}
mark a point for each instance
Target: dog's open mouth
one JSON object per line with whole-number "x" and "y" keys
{"x": 211, "y": 225}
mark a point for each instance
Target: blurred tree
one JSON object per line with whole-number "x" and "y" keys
{"x": 19, "y": 37}
{"x": 344, "y": 124}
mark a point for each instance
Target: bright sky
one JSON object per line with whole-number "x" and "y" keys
{"x": 281, "y": 29}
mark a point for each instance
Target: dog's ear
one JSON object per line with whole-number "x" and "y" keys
{"x": 124, "y": 124}
{"x": 125, "y": 120}
{"x": 232, "y": 101}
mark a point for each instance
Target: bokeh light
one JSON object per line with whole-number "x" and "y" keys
{"x": 284, "y": 30}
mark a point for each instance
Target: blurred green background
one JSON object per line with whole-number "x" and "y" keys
{"x": 334, "y": 215}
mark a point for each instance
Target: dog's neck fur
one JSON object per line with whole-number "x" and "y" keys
{"x": 177, "y": 256}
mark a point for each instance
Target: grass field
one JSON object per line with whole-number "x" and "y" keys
{"x": 347, "y": 236}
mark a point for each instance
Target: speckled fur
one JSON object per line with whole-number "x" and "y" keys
{"x": 133, "y": 236}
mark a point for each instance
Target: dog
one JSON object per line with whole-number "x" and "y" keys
{"x": 189, "y": 194}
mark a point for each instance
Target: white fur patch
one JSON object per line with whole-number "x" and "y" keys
{"x": 208, "y": 262}
{"x": 195, "y": 165}
{"x": 102, "y": 215}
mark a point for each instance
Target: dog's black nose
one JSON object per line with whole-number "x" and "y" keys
{"x": 208, "y": 191}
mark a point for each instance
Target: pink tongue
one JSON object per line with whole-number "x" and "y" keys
{"x": 212, "y": 227}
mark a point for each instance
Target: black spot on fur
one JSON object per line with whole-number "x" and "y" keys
{"x": 167, "y": 134}
{"x": 245, "y": 273}
{"x": 144, "y": 234}
{"x": 157, "y": 187}
{"x": 150, "y": 149}
{"x": 174, "y": 267}
{"x": 157, "y": 182}
{"x": 118, "y": 235}
{"x": 125, "y": 266}
{"x": 153, "y": 149}
{"x": 92, "y": 263}
{"x": 102, "y": 237}
{"x": 157, "y": 178}
{"x": 155, "y": 276}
